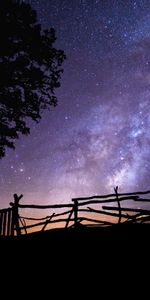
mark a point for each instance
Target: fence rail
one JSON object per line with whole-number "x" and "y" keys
{"x": 81, "y": 211}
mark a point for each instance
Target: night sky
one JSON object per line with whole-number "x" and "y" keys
{"x": 99, "y": 134}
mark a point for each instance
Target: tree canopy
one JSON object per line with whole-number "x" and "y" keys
{"x": 30, "y": 70}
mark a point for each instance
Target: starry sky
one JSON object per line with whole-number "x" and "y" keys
{"x": 99, "y": 134}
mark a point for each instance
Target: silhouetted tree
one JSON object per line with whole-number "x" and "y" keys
{"x": 30, "y": 69}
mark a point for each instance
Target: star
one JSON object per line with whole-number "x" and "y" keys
{"x": 98, "y": 136}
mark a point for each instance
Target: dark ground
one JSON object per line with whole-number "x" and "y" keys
{"x": 114, "y": 259}
{"x": 113, "y": 239}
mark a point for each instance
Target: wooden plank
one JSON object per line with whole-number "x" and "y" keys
{"x": 4, "y": 223}
{"x": 138, "y": 210}
{"x": 12, "y": 223}
{"x": 69, "y": 218}
{"x": 42, "y": 206}
{"x": 1, "y": 223}
{"x": 9, "y": 222}
{"x": 51, "y": 221}
{"x": 109, "y": 196}
{"x": 106, "y": 201}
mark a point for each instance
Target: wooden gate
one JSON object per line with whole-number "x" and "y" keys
{"x": 6, "y": 222}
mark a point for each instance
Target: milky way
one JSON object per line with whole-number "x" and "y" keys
{"x": 99, "y": 134}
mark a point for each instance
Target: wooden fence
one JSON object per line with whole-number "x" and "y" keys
{"x": 90, "y": 211}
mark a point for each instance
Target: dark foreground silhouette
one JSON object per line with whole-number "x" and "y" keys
{"x": 79, "y": 257}
{"x": 101, "y": 244}
{"x": 108, "y": 240}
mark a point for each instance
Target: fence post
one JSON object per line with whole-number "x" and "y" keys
{"x": 15, "y": 214}
{"x": 75, "y": 212}
{"x": 119, "y": 206}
